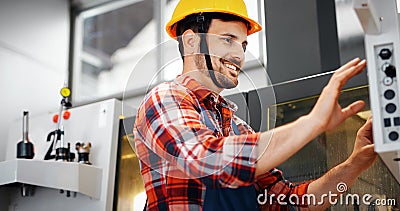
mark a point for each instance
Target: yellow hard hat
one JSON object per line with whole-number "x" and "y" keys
{"x": 188, "y": 7}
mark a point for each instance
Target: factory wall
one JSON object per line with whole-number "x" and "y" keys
{"x": 34, "y": 39}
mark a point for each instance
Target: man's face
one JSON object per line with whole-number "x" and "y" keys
{"x": 226, "y": 43}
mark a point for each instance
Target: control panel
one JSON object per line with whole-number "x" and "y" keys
{"x": 381, "y": 23}
{"x": 388, "y": 93}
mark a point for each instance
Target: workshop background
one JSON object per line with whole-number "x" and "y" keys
{"x": 103, "y": 50}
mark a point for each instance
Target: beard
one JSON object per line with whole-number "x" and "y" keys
{"x": 224, "y": 81}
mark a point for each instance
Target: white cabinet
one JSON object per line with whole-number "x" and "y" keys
{"x": 97, "y": 123}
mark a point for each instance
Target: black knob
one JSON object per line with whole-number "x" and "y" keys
{"x": 389, "y": 94}
{"x": 385, "y": 54}
{"x": 390, "y": 108}
{"x": 393, "y": 136}
{"x": 390, "y": 71}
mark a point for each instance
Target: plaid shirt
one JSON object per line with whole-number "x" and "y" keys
{"x": 180, "y": 156}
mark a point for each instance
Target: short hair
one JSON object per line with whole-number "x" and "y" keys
{"x": 199, "y": 25}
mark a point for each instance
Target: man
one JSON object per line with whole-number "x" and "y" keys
{"x": 195, "y": 154}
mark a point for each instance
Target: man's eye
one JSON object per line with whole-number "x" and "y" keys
{"x": 244, "y": 48}
{"x": 228, "y": 40}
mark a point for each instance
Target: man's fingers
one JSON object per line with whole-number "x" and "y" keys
{"x": 346, "y": 72}
{"x": 353, "y": 108}
{"x": 353, "y": 70}
{"x": 370, "y": 147}
{"x": 368, "y": 124}
{"x": 349, "y": 64}
{"x": 366, "y": 129}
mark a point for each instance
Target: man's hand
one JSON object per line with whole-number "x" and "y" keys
{"x": 327, "y": 109}
{"x": 282, "y": 142}
{"x": 347, "y": 172}
{"x": 363, "y": 155}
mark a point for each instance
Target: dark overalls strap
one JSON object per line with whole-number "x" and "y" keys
{"x": 221, "y": 199}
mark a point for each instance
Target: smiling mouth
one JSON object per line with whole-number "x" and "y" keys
{"x": 231, "y": 66}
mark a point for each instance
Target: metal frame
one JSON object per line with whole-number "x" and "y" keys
{"x": 77, "y": 23}
{"x": 76, "y": 44}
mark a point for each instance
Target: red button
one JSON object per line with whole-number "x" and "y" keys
{"x": 66, "y": 115}
{"x": 55, "y": 118}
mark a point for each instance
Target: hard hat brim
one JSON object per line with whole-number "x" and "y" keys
{"x": 171, "y": 25}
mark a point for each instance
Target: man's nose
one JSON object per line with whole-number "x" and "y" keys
{"x": 238, "y": 54}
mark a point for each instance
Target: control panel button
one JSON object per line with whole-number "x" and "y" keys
{"x": 386, "y": 122}
{"x": 396, "y": 121}
{"x": 393, "y": 136}
{"x": 385, "y": 54}
{"x": 387, "y": 81}
{"x": 390, "y": 71}
{"x": 390, "y": 108}
{"x": 389, "y": 94}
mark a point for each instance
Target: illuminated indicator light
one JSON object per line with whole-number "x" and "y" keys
{"x": 66, "y": 115}
{"x": 65, "y": 92}
{"x": 55, "y": 118}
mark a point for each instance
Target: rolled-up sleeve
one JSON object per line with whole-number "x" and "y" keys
{"x": 275, "y": 192}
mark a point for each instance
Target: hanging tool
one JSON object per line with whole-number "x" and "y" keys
{"x": 25, "y": 148}
{"x": 56, "y": 137}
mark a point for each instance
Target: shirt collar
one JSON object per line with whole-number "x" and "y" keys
{"x": 202, "y": 93}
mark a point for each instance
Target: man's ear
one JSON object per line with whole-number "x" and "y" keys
{"x": 191, "y": 42}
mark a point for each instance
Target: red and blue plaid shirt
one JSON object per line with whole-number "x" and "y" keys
{"x": 180, "y": 156}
